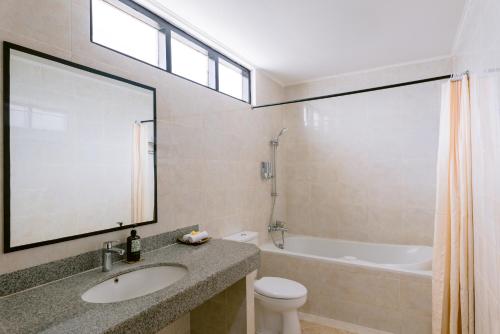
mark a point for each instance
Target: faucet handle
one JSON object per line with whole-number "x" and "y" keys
{"x": 109, "y": 244}
{"x": 280, "y": 224}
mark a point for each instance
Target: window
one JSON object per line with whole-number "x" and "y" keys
{"x": 123, "y": 32}
{"x": 126, "y": 27}
{"x": 232, "y": 80}
{"x": 189, "y": 60}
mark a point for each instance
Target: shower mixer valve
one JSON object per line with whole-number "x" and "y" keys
{"x": 266, "y": 170}
{"x": 277, "y": 226}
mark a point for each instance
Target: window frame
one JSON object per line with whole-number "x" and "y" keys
{"x": 137, "y": 11}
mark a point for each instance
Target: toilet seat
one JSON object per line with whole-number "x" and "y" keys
{"x": 279, "y": 288}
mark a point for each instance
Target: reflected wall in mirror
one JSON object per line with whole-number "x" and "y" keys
{"x": 80, "y": 152}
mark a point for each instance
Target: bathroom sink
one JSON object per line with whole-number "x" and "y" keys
{"x": 134, "y": 284}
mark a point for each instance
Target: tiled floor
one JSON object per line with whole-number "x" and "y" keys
{"x": 312, "y": 328}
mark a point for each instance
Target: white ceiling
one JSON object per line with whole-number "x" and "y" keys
{"x": 300, "y": 40}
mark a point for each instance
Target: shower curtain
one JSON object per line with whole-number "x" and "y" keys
{"x": 453, "y": 263}
{"x": 139, "y": 171}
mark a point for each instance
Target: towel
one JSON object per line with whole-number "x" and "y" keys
{"x": 195, "y": 236}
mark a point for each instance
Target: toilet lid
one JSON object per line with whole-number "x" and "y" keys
{"x": 277, "y": 287}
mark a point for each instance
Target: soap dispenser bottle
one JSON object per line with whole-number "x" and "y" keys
{"x": 133, "y": 247}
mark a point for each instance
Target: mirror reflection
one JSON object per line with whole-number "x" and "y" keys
{"x": 82, "y": 151}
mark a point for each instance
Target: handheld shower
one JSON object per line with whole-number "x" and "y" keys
{"x": 274, "y": 143}
{"x": 276, "y": 140}
{"x": 275, "y": 225}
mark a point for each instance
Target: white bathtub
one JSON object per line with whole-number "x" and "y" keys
{"x": 366, "y": 284}
{"x": 415, "y": 259}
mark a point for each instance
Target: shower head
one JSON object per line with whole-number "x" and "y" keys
{"x": 282, "y": 132}
{"x": 276, "y": 140}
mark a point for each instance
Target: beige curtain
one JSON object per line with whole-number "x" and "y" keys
{"x": 453, "y": 263}
{"x": 139, "y": 171}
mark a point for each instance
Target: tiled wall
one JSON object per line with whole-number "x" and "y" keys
{"x": 209, "y": 145}
{"x": 387, "y": 301}
{"x": 362, "y": 167}
{"x": 478, "y": 50}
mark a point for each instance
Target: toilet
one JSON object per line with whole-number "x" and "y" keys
{"x": 276, "y": 299}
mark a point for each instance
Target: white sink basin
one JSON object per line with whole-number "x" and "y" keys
{"x": 134, "y": 284}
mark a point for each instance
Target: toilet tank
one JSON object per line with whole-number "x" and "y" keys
{"x": 250, "y": 237}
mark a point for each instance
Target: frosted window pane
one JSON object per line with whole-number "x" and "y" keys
{"x": 189, "y": 61}
{"x": 230, "y": 80}
{"x": 122, "y": 32}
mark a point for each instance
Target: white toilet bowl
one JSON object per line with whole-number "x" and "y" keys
{"x": 277, "y": 301}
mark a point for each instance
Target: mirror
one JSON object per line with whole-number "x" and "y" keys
{"x": 79, "y": 150}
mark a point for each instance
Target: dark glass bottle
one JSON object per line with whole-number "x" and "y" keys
{"x": 133, "y": 247}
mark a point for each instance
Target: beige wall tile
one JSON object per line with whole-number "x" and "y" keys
{"x": 52, "y": 21}
{"x": 415, "y": 324}
{"x": 365, "y": 162}
{"x": 416, "y": 295}
{"x": 365, "y": 288}
{"x": 209, "y": 145}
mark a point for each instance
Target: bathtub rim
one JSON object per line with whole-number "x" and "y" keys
{"x": 268, "y": 246}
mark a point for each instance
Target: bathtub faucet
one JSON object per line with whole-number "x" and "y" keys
{"x": 278, "y": 226}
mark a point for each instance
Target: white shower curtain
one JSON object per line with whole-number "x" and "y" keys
{"x": 139, "y": 171}
{"x": 453, "y": 263}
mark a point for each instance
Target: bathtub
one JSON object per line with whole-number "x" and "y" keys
{"x": 416, "y": 259}
{"x": 377, "y": 286}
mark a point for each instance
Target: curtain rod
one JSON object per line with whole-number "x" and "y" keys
{"x": 408, "y": 83}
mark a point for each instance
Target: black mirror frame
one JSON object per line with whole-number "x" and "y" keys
{"x": 7, "y": 47}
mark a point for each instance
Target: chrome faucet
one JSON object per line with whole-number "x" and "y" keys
{"x": 107, "y": 254}
{"x": 278, "y": 226}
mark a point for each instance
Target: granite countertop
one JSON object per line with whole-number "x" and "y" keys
{"x": 57, "y": 307}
